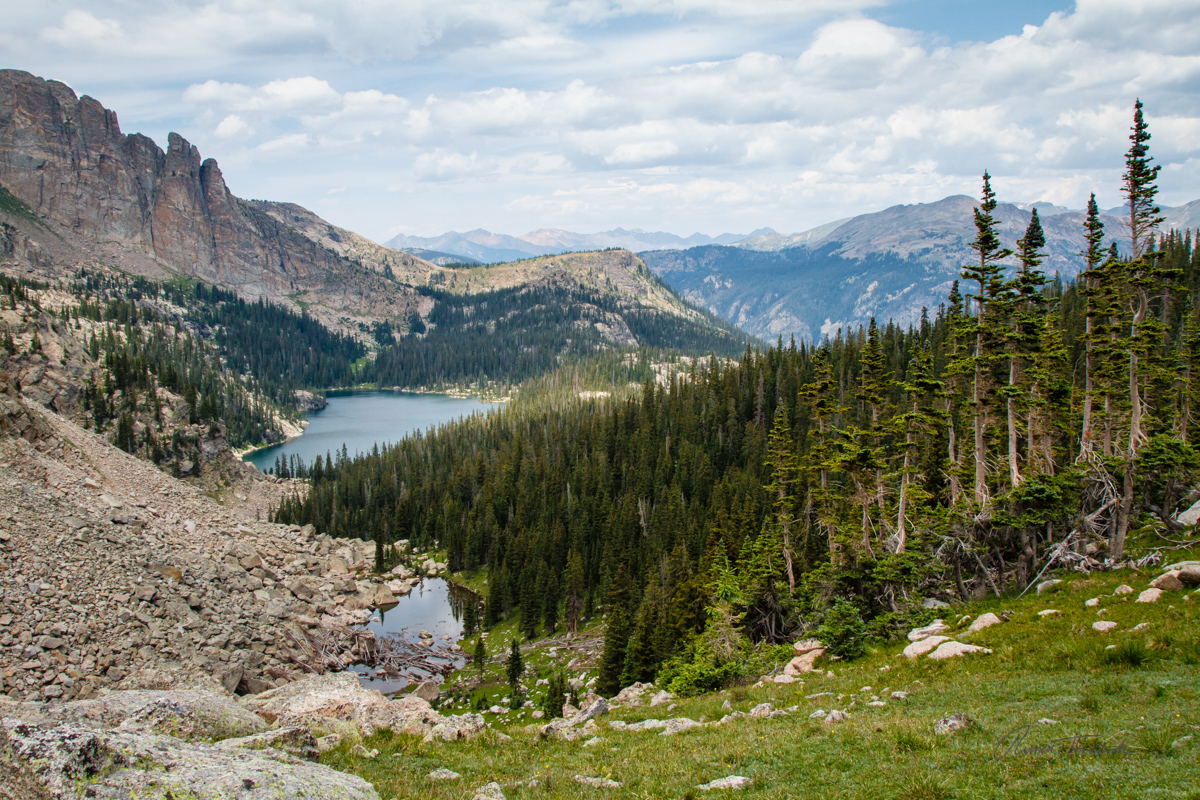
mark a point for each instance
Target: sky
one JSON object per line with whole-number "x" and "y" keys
{"x": 710, "y": 116}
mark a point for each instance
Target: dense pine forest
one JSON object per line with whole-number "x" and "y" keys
{"x": 1025, "y": 423}
{"x": 512, "y": 335}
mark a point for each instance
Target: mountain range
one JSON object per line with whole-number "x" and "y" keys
{"x": 890, "y": 264}
{"x": 74, "y": 190}
{"x": 77, "y": 192}
{"x": 487, "y": 247}
{"x": 886, "y": 264}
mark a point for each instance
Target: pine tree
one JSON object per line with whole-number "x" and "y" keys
{"x": 1024, "y": 341}
{"x": 479, "y": 656}
{"x": 1089, "y": 287}
{"x": 514, "y": 667}
{"x": 1140, "y": 189}
{"x": 616, "y": 635}
{"x": 556, "y": 695}
{"x": 781, "y": 460}
{"x": 987, "y": 274}
{"x": 575, "y": 590}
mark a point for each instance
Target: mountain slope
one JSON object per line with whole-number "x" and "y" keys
{"x": 887, "y": 264}
{"x": 122, "y": 200}
{"x": 76, "y": 191}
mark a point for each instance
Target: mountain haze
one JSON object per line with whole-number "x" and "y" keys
{"x": 888, "y": 264}
{"x": 491, "y": 247}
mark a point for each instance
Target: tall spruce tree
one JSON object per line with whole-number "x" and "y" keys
{"x": 1089, "y": 287}
{"x": 1140, "y": 188}
{"x": 987, "y": 273}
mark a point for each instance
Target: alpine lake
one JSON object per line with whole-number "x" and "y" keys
{"x": 359, "y": 421}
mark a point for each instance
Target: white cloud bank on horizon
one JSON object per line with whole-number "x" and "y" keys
{"x": 686, "y": 115}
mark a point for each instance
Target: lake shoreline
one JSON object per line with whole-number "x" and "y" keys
{"x": 356, "y": 420}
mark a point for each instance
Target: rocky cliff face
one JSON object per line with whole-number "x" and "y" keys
{"x": 66, "y": 158}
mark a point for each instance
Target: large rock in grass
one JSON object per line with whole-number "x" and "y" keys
{"x": 803, "y": 664}
{"x": 730, "y": 782}
{"x": 984, "y": 621}
{"x": 920, "y": 648}
{"x": 956, "y": 649}
{"x": 1168, "y": 582}
{"x": 632, "y": 695}
{"x": 935, "y": 628}
{"x": 1191, "y": 516}
{"x": 952, "y": 724}
{"x": 1149, "y": 596}
{"x": 51, "y": 761}
{"x": 338, "y": 703}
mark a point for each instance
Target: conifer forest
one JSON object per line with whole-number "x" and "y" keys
{"x": 1024, "y": 423}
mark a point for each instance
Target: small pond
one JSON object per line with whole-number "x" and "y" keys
{"x": 434, "y": 606}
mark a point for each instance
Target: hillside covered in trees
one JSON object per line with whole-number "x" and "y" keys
{"x": 1024, "y": 423}
{"x": 514, "y": 334}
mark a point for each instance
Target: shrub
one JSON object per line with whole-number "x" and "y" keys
{"x": 1156, "y": 740}
{"x": 843, "y": 631}
{"x": 1131, "y": 652}
{"x": 556, "y": 695}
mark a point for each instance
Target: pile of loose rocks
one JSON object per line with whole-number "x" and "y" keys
{"x": 109, "y": 566}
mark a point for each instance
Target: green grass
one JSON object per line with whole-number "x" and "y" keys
{"x": 1121, "y": 714}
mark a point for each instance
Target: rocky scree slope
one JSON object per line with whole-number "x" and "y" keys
{"x": 174, "y": 740}
{"x": 56, "y": 377}
{"x": 111, "y": 567}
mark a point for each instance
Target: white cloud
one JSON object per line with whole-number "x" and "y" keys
{"x": 654, "y": 113}
{"x": 231, "y": 126}
{"x": 81, "y": 28}
{"x": 440, "y": 165}
{"x": 641, "y": 152}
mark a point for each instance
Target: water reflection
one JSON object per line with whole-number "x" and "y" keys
{"x": 359, "y": 421}
{"x": 434, "y": 606}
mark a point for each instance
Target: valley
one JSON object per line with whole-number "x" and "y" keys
{"x": 904, "y": 506}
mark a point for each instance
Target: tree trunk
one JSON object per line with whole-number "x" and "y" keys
{"x": 980, "y": 449}
{"x": 787, "y": 558}
{"x": 901, "y": 524}
{"x": 1135, "y": 396}
{"x": 1089, "y": 387}
{"x": 955, "y": 483}
{"x": 1014, "y": 470}
{"x": 1108, "y": 426}
{"x": 1116, "y": 545}
{"x": 958, "y": 581}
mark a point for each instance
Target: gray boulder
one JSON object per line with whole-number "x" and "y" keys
{"x": 294, "y": 740}
{"x": 935, "y": 628}
{"x": 428, "y": 691}
{"x": 185, "y": 713}
{"x": 120, "y": 765}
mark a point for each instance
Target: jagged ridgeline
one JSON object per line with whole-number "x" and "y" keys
{"x": 520, "y": 333}
{"x": 1027, "y": 423}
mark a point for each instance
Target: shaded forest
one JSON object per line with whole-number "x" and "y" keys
{"x": 512, "y": 335}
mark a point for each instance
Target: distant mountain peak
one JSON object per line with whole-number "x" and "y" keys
{"x": 483, "y": 245}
